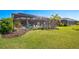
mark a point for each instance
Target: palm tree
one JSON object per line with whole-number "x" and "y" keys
{"x": 57, "y": 18}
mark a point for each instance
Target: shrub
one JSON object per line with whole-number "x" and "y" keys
{"x": 6, "y": 25}
{"x": 77, "y": 23}
{"x": 17, "y": 24}
{"x": 61, "y": 24}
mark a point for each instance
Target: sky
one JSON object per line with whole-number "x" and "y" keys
{"x": 74, "y": 14}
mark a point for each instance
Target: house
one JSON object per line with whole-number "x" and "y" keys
{"x": 68, "y": 21}
{"x": 32, "y": 21}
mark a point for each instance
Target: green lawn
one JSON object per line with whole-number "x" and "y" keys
{"x": 65, "y": 37}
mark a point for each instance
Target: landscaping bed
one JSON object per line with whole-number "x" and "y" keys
{"x": 16, "y": 33}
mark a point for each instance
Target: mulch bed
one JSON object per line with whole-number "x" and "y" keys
{"x": 17, "y": 33}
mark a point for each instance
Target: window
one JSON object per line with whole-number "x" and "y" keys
{"x": 44, "y": 22}
{"x": 38, "y": 23}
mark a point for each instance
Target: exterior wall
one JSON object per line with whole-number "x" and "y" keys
{"x": 66, "y": 22}
{"x": 34, "y": 22}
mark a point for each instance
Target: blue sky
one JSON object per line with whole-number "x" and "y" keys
{"x": 46, "y": 13}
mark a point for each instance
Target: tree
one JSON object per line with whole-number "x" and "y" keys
{"x": 6, "y": 25}
{"x": 57, "y": 18}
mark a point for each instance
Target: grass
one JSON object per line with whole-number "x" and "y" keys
{"x": 65, "y": 37}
